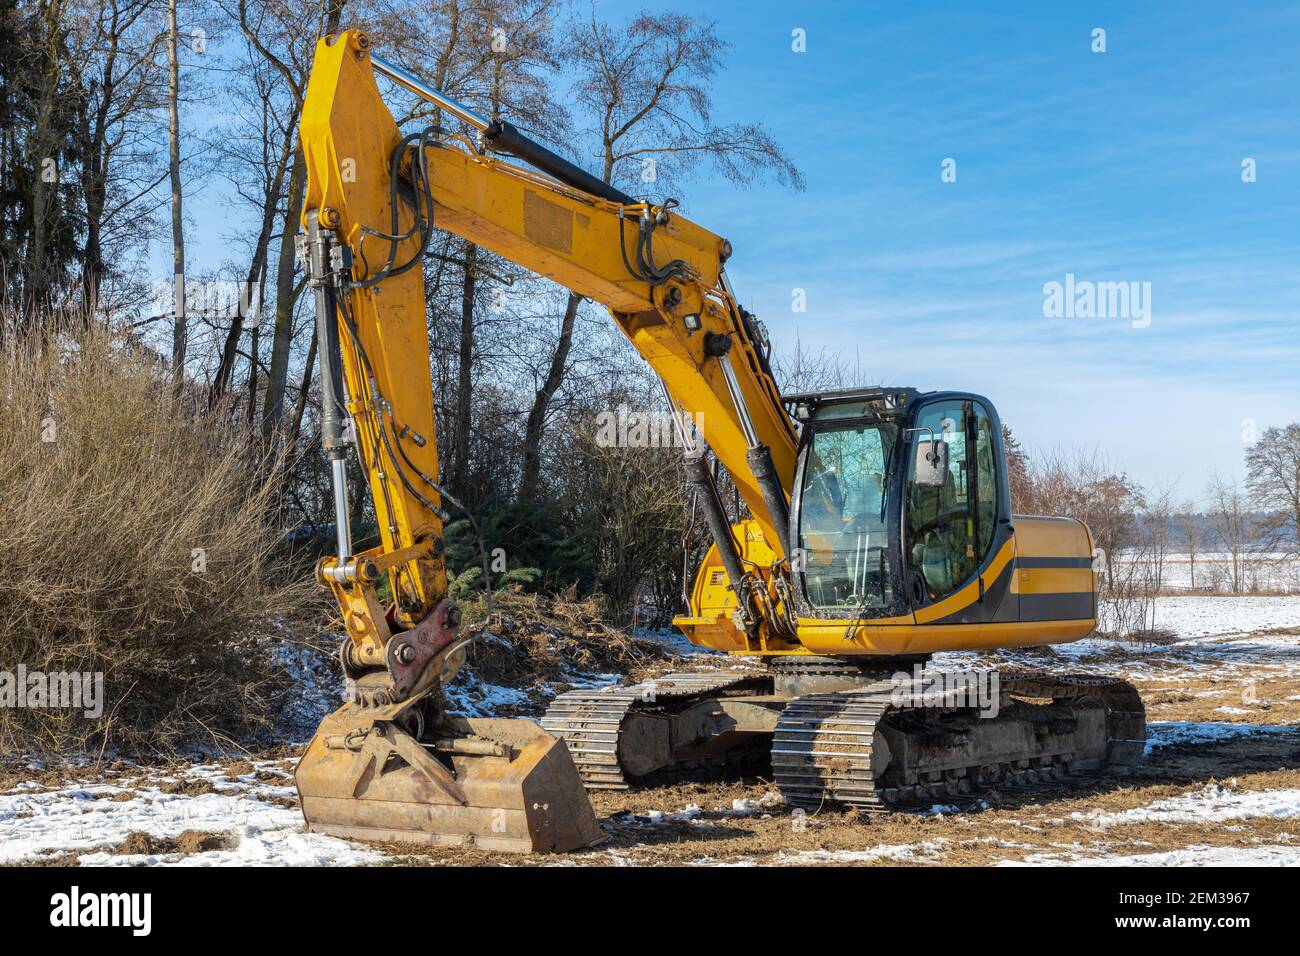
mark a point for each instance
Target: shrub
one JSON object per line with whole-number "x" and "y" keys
{"x": 139, "y": 537}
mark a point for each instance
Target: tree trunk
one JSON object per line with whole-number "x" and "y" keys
{"x": 541, "y": 403}
{"x": 92, "y": 268}
{"x": 282, "y": 337}
{"x": 256, "y": 271}
{"x": 178, "y": 226}
{"x": 250, "y": 413}
{"x": 41, "y": 154}
{"x": 465, "y": 376}
{"x": 300, "y": 406}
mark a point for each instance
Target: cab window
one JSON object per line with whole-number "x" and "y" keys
{"x": 949, "y": 529}
{"x": 842, "y": 527}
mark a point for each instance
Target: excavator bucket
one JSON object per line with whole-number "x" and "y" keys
{"x": 502, "y": 785}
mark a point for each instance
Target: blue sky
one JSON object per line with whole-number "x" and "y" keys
{"x": 1117, "y": 166}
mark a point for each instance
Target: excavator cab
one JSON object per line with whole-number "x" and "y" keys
{"x": 877, "y": 538}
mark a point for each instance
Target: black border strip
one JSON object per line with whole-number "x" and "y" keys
{"x": 1062, "y": 562}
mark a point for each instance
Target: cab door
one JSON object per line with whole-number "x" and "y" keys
{"x": 956, "y": 537}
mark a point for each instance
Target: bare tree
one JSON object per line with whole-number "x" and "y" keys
{"x": 113, "y": 59}
{"x": 1157, "y": 518}
{"x": 258, "y": 153}
{"x": 1017, "y": 468}
{"x": 1273, "y": 480}
{"x": 178, "y": 220}
{"x": 1189, "y": 526}
{"x": 284, "y": 35}
{"x": 40, "y": 202}
{"x": 1230, "y": 525}
{"x": 1083, "y": 485}
{"x": 644, "y": 91}
{"x": 799, "y": 369}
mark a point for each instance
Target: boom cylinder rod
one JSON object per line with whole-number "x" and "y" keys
{"x": 342, "y": 520}
{"x": 706, "y": 491}
{"x": 698, "y": 474}
{"x": 333, "y": 438}
{"x": 410, "y": 81}
{"x": 764, "y": 472}
{"x": 759, "y": 455}
{"x": 733, "y": 388}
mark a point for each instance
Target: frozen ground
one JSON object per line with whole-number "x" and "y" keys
{"x": 1209, "y": 615}
{"x": 1220, "y": 784}
{"x": 252, "y": 816}
{"x": 1273, "y": 571}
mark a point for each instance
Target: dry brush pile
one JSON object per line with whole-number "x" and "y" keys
{"x": 140, "y": 543}
{"x": 534, "y": 639}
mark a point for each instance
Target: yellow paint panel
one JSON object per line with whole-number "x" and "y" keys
{"x": 827, "y": 637}
{"x": 1052, "y": 581}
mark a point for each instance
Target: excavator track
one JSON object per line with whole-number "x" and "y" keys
{"x": 590, "y": 721}
{"x": 868, "y": 747}
{"x": 825, "y": 749}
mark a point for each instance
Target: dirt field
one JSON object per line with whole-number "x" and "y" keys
{"x": 1221, "y": 783}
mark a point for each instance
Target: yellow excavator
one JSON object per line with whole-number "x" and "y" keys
{"x": 880, "y": 534}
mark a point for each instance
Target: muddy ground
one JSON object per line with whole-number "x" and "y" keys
{"x": 1220, "y": 783}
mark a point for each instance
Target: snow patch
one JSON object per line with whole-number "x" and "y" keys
{"x": 86, "y": 817}
{"x": 1205, "y": 616}
{"x": 1275, "y": 855}
{"x": 925, "y": 852}
{"x": 1167, "y": 733}
{"x": 1211, "y": 804}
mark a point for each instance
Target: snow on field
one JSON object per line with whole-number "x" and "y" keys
{"x": 1267, "y": 855}
{"x": 1272, "y": 571}
{"x": 1271, "y": 854}
{"x": 675, "y": 641}
{"x": 1168, "y": 733}
{"x": 926, "y": 852}
{"x": 476, "y": 698}
{"x": 1216, "y": 638}
{"x": 1212, "y": 803}
{"x": 317, "y": 689}
{"x": 98, "y": 818}
{"x": 1205, "y": 616}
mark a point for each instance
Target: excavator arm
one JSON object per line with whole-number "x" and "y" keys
{"x": 374, "y": 196}
{"x": 393, "y": 763}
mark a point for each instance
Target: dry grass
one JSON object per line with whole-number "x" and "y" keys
{"x": 139, "y": 539}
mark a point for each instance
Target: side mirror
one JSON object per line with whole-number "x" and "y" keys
{"x": 931, "y": 469}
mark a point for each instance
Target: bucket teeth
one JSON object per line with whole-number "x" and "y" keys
{"x": 503, "y": 785}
